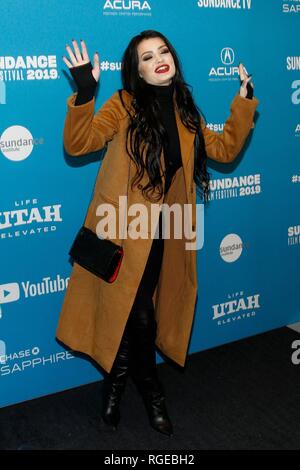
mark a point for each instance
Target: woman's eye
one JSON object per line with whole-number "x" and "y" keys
{"x": 165, "y": 51}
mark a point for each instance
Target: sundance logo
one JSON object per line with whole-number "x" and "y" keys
{"x": 227, "y": 71}
{"x": 127, "y": 7}
{"x": 293, "y": 63}
{"x": 237, "y": 186}
{"x": 17, "y": 142}
{"x": 294, "y": 235}
{"x": 41, "y": 67}
{"x": 232, "y": 4}
{"x": 231, "y": 248}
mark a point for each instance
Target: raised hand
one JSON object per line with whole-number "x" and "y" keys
{"x": 246, "y": 88}
{"x": 78, "y": 58}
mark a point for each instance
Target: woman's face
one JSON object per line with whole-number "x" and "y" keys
{"x": 156, "y": 65}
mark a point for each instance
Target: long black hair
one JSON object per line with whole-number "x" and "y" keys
{"x": 146, "y": 132}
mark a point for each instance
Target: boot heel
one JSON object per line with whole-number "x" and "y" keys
{"x": 111, "y": 407}
{"x": 155, "y": 404}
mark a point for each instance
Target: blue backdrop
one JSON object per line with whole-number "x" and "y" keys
{"x": 248, "y": 267}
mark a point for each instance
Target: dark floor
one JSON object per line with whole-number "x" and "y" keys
{"x": 244, "y": 395}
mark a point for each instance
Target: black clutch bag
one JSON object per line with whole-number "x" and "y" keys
{"x": 100, "y": 256}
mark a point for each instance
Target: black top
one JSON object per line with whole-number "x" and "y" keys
{"x": 172, "y": 153}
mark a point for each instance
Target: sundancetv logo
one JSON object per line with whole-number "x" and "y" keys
{"x": 127, "y": 8}
{"x": 17, "y": 142}
{"x": 229, "y": 4}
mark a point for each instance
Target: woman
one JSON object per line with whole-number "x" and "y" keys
{"x": 153, "y": 127}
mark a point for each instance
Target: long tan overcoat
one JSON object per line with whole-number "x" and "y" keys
{"x": 94, "y": 312}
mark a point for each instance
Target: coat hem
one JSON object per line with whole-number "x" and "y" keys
{"x": 181, "y": 362}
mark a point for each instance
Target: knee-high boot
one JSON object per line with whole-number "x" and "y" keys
{"x": 144, "y": 369}
{"x": 115, "y": 382}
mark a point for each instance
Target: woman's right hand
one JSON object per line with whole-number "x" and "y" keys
{"x": 78, "y": 58}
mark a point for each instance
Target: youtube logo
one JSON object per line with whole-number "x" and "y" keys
{"x": 9, "y": 292}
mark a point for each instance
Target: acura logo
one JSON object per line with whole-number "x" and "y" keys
{"x": 227, "y": 56}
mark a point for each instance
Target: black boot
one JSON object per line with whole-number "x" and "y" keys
{"x": 115, "y": 382}
{"x": 144, "y": 369}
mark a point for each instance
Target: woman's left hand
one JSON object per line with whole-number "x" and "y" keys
{"x": 246, "y": 87}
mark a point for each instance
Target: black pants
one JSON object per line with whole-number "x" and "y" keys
{"x": 150, "y": 276}
{"x": 141, "y": 325}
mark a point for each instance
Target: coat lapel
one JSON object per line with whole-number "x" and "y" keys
{"x": 186, "y": 139}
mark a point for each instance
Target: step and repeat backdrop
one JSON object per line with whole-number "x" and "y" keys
{"x": 248, "y": 267}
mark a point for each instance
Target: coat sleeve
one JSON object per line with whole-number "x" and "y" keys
{"x": 86, "y": 132}
{"x": 224, "y": 147}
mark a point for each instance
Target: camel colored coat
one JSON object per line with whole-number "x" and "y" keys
{"x": 94, "y": 313}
